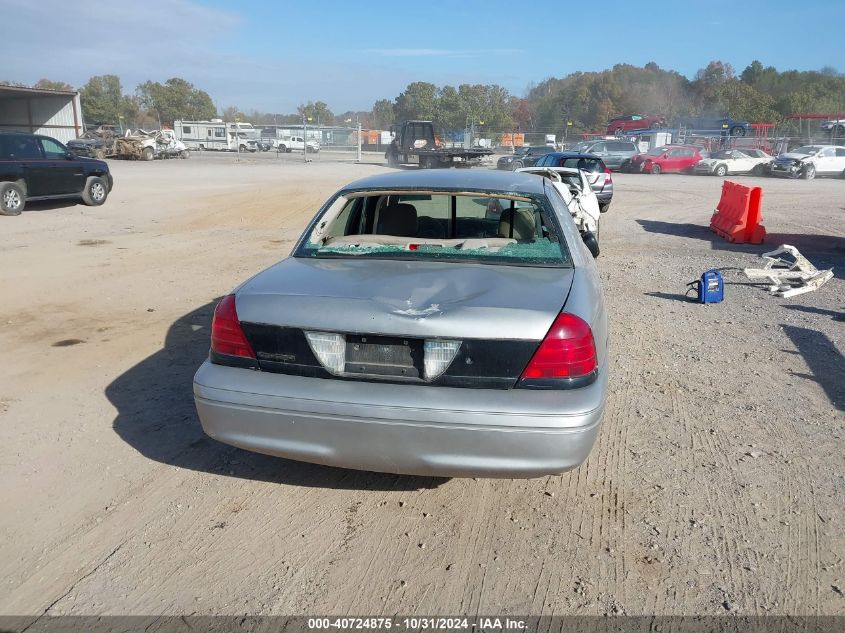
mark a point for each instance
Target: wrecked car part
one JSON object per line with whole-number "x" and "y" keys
{"x": 789, "y": 277}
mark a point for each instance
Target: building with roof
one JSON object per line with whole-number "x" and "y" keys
{"x": 56, "y": 113}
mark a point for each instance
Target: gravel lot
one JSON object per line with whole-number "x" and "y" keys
{"x": 718, "y": 482}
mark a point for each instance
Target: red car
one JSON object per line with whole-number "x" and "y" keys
{"x": 622, "y": 124}
{"x": 668, "y": 158}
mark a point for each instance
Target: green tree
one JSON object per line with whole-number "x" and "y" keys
{"x": 103, "y": 101}
{"x": 176, "y": 99}
{"x": 382, "y": 114}
{"x": 316, "y": 112}
{"x": 417, "y": 101}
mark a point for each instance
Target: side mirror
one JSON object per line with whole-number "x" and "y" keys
{"x": 592, "y": 242}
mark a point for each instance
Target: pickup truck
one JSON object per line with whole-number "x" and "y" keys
{"x": 414, "y": 143}
{"x": 296, "y": 143}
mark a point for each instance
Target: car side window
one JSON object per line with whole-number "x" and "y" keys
{"x": 840, "y": 152}
{"x": 542, "y": 161}
{"x": 599, "y": 147}
{"x": 52, "y": 150}
{"x": 828, "y": 152}
{"x": 25, "y": 148}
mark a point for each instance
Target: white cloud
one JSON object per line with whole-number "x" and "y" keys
{"x": 442, "y": 52}
{"x": 159, "y": 39}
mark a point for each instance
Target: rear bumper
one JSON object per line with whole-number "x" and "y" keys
{"x": 416, "y": 430}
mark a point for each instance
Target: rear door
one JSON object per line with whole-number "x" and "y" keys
{"x": 826, "y": 162}
{"x": 26, "y": 150}
{"x": 65, "y": 175}
{"x": 839, "y": 160}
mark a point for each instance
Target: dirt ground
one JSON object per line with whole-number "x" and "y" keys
{"x": 717, "y": 483}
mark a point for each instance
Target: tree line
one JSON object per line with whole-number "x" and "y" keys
{"x": 580, "y": 101}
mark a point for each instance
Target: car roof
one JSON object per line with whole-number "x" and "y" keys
{"x": 575, "y": 155}
{"x": 452, "y": 180}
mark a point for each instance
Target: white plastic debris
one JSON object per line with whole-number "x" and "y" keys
{"x": 789, "y": 276}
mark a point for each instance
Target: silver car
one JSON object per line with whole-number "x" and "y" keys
{"x": 436, "y": 322}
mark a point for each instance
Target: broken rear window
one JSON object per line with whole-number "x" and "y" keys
{"x": 478, "y": 227}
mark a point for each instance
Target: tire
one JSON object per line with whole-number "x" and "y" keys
{"x": 517, "y": 164}
{"x": 604, "y": 207}
{"x": 283, "y": 149}
{"x": 721, "y": 170}
{"x": 146, "y": 154}
{"x": 95, "y": 192}
{"x": 757, "y": 171}
{"x": 184, "y": 154}
{"x": 809, "y": 172}
{"x": 202, "y": 148}
{"x": 655, "y": 169}
{"x": 242, "y": 149}
{"x": 100, "y": 154}
{"x": 737, "y": 130}
{"x": 12, "y": 198}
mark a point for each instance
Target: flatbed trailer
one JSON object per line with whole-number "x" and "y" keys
{"x": 414, "y": 144}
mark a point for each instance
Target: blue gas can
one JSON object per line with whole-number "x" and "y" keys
{"x": 711, "y": 287}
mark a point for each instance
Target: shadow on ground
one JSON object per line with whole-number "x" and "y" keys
{"x": 49, "y": 205}
{"x": 156, "y": 416}
{"x": 824, "y": 251}
{"x": 826, "y": 363}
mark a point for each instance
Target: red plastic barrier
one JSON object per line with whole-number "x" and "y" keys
{"x": 738, "y": 214}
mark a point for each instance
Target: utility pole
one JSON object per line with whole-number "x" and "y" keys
{"x": 358, "y": 121}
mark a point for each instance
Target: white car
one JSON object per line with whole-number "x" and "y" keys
{"x": 574, "y": 187}
{"x": 734, "y": 161}
{"x": 809, "y": 161}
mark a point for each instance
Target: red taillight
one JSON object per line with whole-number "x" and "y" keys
{"x": 227, "y": 335}
{"x": 568, "y": 351}
{"x": 608, "y": 176}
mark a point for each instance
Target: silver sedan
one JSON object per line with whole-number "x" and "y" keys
{"x": 433, "y": 322}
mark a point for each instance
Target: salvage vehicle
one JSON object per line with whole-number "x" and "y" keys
{"x": 721, "y": 125}
{"x": 575, "y": 189}
{"x": 414, "y": 143}
{"x": 601, "y": 180}
{"x": 810, "y": 161}
{"x": 94, "y": 143}
{"x": 665, "y": 159}
{"x": 622, "y": 124}
{"x": 35, "y": 167}
{"x": 434, "y": 323}
{"x": 836, "y": 127}
{"x": 523, "y": 157}
{"x": 734, "y": 161}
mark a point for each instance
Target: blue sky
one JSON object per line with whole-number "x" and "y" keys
{"x": 272, "y": 56}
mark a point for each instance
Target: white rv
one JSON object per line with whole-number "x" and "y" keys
{"x": 217, "y": 134}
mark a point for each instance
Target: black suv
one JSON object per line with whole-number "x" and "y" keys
{"x": 34, "y": 167}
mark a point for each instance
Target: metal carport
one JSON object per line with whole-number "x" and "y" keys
{"x": 55, "y": 113}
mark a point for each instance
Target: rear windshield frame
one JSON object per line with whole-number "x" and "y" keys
{"x": 301, "y": 250}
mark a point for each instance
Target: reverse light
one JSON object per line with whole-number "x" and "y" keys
{"x": 566, "y": 356}
{"x": 438, "y": 356}
{"x": 227, "y": 336}
{"x": 330, "y": 350}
